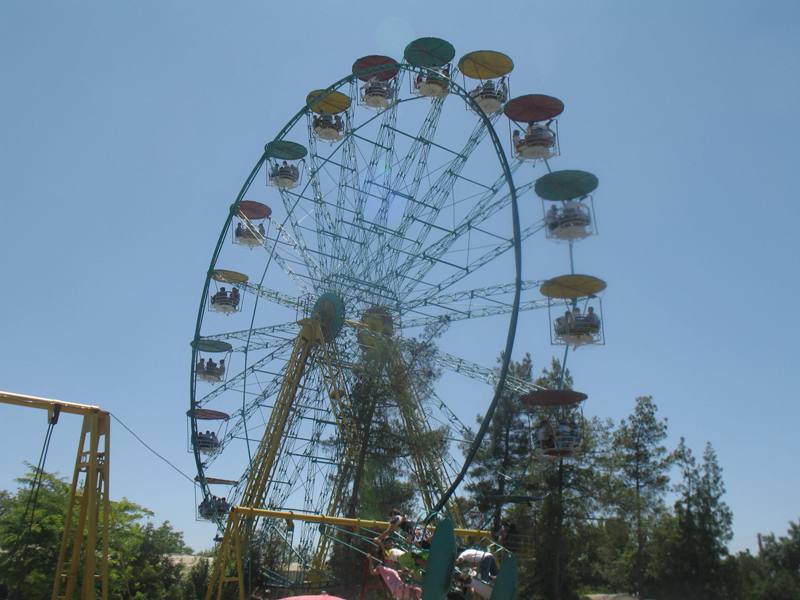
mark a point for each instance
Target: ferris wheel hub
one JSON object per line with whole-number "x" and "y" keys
{"x": 329, "y": 309}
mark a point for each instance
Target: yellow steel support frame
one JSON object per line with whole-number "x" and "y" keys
{"x": 89, "y": 501}
{"x": 343, "y": 411}
{"x": 241, "y": 518}
{"x": 288, "y": 515}
{"x": 239, "y": 526}
{"x": 427, "y": 465}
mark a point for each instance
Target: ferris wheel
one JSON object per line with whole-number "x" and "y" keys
{"x": 373, "y": 234}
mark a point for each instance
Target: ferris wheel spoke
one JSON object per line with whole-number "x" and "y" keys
{"x": 348, "y": 177}
{"x": 482, "y": 293}
{"x": 296, "y": 241}
{"x": 260, "y": 337}
{"x": 426, "y": 210}
{"x": 236, "y": 382}
{"x": 486, "y": 207}
{"x": 245, "y": 415}
{"x": 418, "y": 153}
{"x": 272, "y": 295}
{"x": 380, "y": 150}
{"x": 322, "y": 216}
{"x": 485, "y": 258}
{"x": 481, "y": 373}
{"x": 426, "y": 462}
{"x": 473, "y": 312}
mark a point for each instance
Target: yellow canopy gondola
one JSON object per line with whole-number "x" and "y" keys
{"x": 485, "y": 64}
{"x": 570, "y": 287}
{"x": 327, "y": 102}
{"x": 232, "y": 277}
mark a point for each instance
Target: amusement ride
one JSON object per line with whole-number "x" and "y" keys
{"x": 385, "y": 220}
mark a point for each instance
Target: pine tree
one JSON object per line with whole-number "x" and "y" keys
{"x": 692, "y": 561}
{"x": 642, "y": 463}
{"x": 503, "y": 456}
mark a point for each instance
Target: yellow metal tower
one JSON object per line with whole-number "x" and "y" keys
{"x": 83, "y": 556}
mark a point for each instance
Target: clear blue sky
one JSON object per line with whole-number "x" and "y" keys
{"x": 127, "y": 129}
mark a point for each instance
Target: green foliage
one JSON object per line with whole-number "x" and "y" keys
{"x": 774, "y": 574}
{"x": 139, "y": 566}
{"x": 641, "y": 463}
{"x": 603, "y": 523}
{"x": 502, "y": 457}
{"x": 693, "y": 554}
{"x": 29, "y": 543}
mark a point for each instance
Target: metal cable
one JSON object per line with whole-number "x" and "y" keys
{"x": 143, "y": 443}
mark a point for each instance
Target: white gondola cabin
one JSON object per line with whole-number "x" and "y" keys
{"x": 536, "y": 134}
{"x": 567, "y": 204}
{"x": 557, "y": 438}
{"x": 557, "y": 432}
{"x": 213, "y": 508}
{"x": 432, "y": 56}
{"x": 491, "y": 70}
{"x": 328, "y": 114}
{"x": 433, "y": 84}
{"x": 250, "y": 230}
{"x": 203, "y": 440}
{"x": 284, "y": 163}
{"x": 226, "y": 299}
{"x": 377, "y": 73}
{"x": 206, "y": 368}
{"x": 581, "y": 322}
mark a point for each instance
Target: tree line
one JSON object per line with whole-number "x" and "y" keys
{"x": 140, "y": 563}
{"x": 626, "y": 514}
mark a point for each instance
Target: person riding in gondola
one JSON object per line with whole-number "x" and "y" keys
{"x": 399, "y": 589}
{"x": 400, "y": 521}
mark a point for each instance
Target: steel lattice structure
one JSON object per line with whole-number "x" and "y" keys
{"x": 409, "y": 214}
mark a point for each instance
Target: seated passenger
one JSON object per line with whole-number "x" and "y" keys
{"x": 410, "y": 563}
{"x": 545, "y": 435}
{"x": 504, "y": 533}
{"x": 211, "y": 366}
{"x": 562, "y": 323}
{"x": 502, "y": 89}
{"x": 567, "y": 435}
{"x": 273, "y": 172}
{"x": 397, "y": 521}
{"x": 483, "y": 560}
{"x": 221, "y": 297}
{"x": 551, "y": 218}
{"x": 396, "y": 586}
{"x": 201, "y": 365}
{"x": 517, "y": 139}
{"x": 592, "y": 317}
{"x": 446, "y": 70}
{"x": 221, "y": 367}
{"x": 261, "y": 230}
{"x": 235, "y": 296}
{"x": 239, "y": 230}
{"x": 338, "y": 123}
